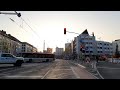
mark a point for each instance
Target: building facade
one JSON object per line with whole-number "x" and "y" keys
{"x": 87, "y": 45}
{"x": 59, "y": 52}
{"x": 26, "y": 47}
{"x": 49, "y": 50}
{"x": 114, "y": 44}
{"x": 104, "y": 48}
{"x": 9, "y": 44}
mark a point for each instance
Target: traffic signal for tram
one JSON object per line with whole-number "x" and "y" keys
{"x": 64, "y": 30}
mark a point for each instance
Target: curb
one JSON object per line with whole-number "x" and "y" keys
{"x": 87, "y": 70}
{"x": 98, "y": 72}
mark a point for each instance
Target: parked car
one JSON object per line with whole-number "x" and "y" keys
{"x": 7, "y": 58}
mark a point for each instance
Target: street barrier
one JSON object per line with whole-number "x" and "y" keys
{"x": 114, "y": 60}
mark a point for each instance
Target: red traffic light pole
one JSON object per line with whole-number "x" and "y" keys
{"x": 69, "y": 32}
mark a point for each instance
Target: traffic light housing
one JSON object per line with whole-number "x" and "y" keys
{"x": 19, "y": 14}
{"x": 81, "y": 49}
{"x": 64, "y": 30}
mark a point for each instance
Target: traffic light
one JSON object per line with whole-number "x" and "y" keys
{"x": 80, "y": 48}
{"x": 19, "y": 14}
{"x": 64, "y": 30}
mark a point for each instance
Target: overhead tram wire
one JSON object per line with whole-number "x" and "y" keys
{"x": 30, "y": 27}
{"x": 15, "y": 22}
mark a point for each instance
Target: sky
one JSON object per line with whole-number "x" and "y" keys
{"x": 49, "y": 26}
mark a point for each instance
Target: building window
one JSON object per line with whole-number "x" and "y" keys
{"x": 87, "y": 47}
{"x": 100, "y": 47}
{"x": 91, "y": 51}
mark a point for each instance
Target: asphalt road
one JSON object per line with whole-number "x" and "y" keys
{"x": 109, "y": 70}
{"x": 58, "y": 69}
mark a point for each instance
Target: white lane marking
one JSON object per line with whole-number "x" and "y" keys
{"x": 93, "y": 75}
{"x": 87, "y": 71}
{"x": 26, "y": 71}
{"x": 62, "y": 69}
{"x": 77, "y": 76}
{"x": 81, "y": 66}
{"x": 46, "y": 74}
{"x": 108, "y": 68}
{"x": 6, "y": 69}
{"x": 99, "y": 73}
{"x": 49, "y": 71}
{"x": 68, "y": 63}
{"x": 17, "y": 76}
{"x": 10, "y": 70}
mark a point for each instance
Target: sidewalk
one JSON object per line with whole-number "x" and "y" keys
{"x": 89, "y": 66}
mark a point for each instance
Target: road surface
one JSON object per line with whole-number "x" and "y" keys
{"x": 58, "y": 69}
{"x": 109, "y": 70}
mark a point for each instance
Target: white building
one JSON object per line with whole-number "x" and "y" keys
{"x": 114, "y": 43}
{"x": 87, "y": 42}
{"x": 91, "y": 47}
{"x": 59, "y": 51}
{"x": 104, "y": 48}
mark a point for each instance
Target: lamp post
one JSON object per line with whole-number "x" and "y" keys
{"x": 18, "y": 14}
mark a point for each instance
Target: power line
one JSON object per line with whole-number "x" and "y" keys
{"x": 17, "y": 24}
{"x": 30, "y": 27}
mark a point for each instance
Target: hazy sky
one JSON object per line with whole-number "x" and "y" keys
{"x": 49, "y": 26}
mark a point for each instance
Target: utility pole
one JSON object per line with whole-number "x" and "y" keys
{"x": 18, "y": 14}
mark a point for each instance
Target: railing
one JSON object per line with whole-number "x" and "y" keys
{"x": 114, "y": 60}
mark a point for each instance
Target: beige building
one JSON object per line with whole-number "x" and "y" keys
{"x": 49, "y": 50}
{"x": 9, "y": 44}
